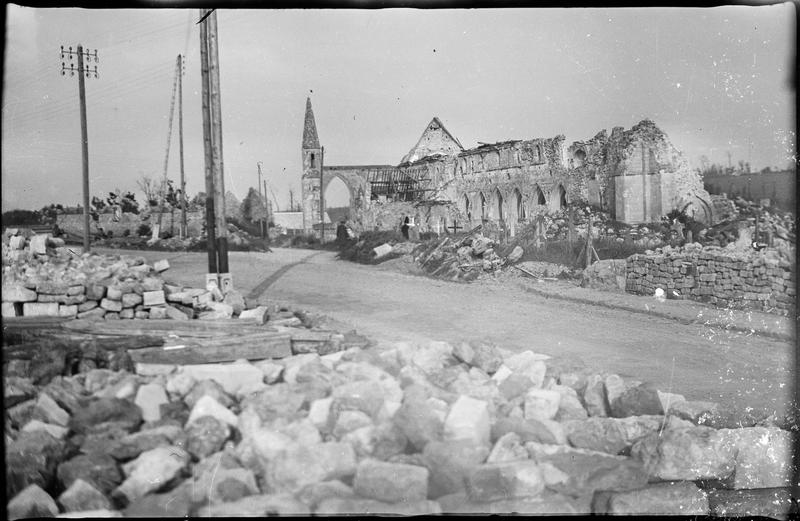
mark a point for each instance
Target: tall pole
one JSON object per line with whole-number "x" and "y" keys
{"x": 216, "y": 147}
{"x": 261, "y": 221}
{"x": 210, "y": 217}
{"x": 184, "y": 227}
{"x": 268, "y": 211}
{"x": 84, "y": 149}
{"x": 83, "y": 72}
{"x": 169, "y": 139}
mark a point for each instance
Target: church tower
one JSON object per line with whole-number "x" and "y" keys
{"x": 312, "y": 165}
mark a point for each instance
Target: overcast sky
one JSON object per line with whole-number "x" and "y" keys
{"x": 714, "y": 79}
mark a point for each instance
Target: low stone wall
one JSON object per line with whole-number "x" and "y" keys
{"x": 762, "y": 281}
{"x": 128, "y": 221}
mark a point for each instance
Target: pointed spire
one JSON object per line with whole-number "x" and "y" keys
{"x": 310, "y": 139}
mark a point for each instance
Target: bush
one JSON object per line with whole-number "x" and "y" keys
{"x": 144, "y": 230}
{"x": 126, "y": 232}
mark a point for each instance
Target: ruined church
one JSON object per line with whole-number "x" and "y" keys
{"x": 635, "y": 175}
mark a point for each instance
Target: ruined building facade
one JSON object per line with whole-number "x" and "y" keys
{"x": 636, "y": 175}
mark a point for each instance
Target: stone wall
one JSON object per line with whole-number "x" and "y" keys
{"x": 758, "y": 281}
{"x": 778, "y": 187}
{"x": 128, "y": 221}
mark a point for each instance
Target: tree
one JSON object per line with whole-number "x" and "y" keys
{"x": 253, "y": 208}
{"x": 129, "y": 203}
{"x": 198, "y": 201}
{"x": 173, "y": 198}
{"x": 151, "y": 188}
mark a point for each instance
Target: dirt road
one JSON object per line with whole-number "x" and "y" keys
{"x": 743, "y": 373}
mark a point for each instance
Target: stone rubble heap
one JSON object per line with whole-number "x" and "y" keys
{"x": 729, "y": 277}
{"x": 399, "y": 429}
{"x": 41, "y": 277}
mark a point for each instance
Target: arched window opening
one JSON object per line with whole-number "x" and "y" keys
{"x": 562, "y": 197}
{"x": 483, "y": 207}
{"x": 539, "y": 197}
{"x": 467, "y": 208}
{"x": 313, "y": 160}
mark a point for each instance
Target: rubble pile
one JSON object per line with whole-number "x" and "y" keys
{"x": 736, "y": 276}
{"x": 462, "y": 259}
{"x": 41, "y": 277}
{"x": 402, "y": 428}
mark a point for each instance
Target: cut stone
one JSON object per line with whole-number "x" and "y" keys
{"x": 130, "y": 300}
{"x": 149, "y": 398}
{"x": 594, "y": 396}
{"x": 150, "y": 471}
{"x": 53, "y": 430}
{"x": 232, "y": 377}
{"x": 158, "y": 312}
{"x": 300, "y": 465}
{"x": 507, "y": 480}
{"x": 682, "y": 498}
{"x": 161, "y": 265}
{"x": 99, "y": 470}
{"x": 686, "y": 454}
{"x": 541, "y": 404}
{"x": 390, "y": 482}
{"x": 18, "y": 293}
{"x": 48, "y": 410}
{"x": 208, "y": 406}
{"x": 637, "y": 401}
{"x": 81, "y": 496}
{"x": 31, "y": 502}
{"x": 258, "y": 315}
{"x": 153, "y": 298}
{"x": 40, "y": 309}
{"x": 468, "y": 419}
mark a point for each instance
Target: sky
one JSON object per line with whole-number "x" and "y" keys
{"x": 716, "y": 80}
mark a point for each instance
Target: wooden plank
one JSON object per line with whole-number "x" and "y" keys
{"x": 523, "y": 270}
{"x": 276, "y": 346}
{"x": 166, "y": 327}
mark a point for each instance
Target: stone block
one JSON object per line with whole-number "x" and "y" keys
{"x": 18, "y": 293}
{"x": 528, "y": 363}
{"x": 637, "y": 401}
{"x": 114, "y": 293}
{"x": 161, "y": 265}
{"x": 298, "y": 466}
{"x": 48, "y": 410}
{"x": 468, "y": 419}
{"x": 149, "y": 398}
{"x": 9, "y": 309}
{"x": 65, "y": 310}
{"x": 773, "y": 503}
{"x": 95, "y": 291}
{"x": 232, "y": 377}
{"x": 258, "y": 315}
{"x": 673, "y": 498}
{"x": 175, "y": 313}
{"x": 508, "y": 447}
{"x": 506, "y": 480}
{"x": 40, "y": 309}
{"x": 111, "y": 305}
{"x": 92, "y": 314}
{"x": 541, "y": 404}
{"x": 86, "y": 306}
{"x": 16, "y": 243}
{"x": 150, "y": 471}
{"x": 208, "y": 406}
{"x": 31, "y": 502}
{"x": 153, "y": 298}
{"x": 158, "y": 312}
{"x": 390, "y": 482}
{"x": 38, "y": 244}
{"x": 130, "y": 300}
{"x": 82, "y": 496}
{"x": 686, "y": 454}
{"x": 697, "y": 412}
{"x": 763, "y": 458}
{"x": 55, "y": 431}
{"x": 594, "y": 396}
{"x": 613, "y": 435}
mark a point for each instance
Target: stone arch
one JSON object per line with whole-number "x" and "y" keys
{"x": 483, "y": 205}
{"x": 467, "y": 208}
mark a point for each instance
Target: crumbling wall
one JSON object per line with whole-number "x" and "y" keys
{"x": 73, "y": 223}
{"x": 760, "y": 281}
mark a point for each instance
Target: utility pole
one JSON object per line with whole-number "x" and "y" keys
{"x": 225, "y": 281}
{"x": 211, "y": 243}
{"x": 82, "y": 71}
{"x": 181, "y": 70}
{"x": 209, "y": 49}
{"x": 268, "y": 211}
{"x": 169, "y": 139}
{"x": 260, "y": 197}
{"x": 291, "y": 201}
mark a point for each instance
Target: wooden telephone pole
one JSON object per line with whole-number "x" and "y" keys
{"x": 181, "y": 69}
{"x": 261, "y": 221}
{"x": 82, "y": 71}
{"x": 212, "y": 134}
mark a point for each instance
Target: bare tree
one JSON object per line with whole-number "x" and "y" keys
{"x": 151, "y": 188}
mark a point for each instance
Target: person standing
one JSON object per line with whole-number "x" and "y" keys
{"x": 404, "y": 227}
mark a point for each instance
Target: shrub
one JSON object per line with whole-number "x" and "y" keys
{"x": 144, "y": 230}
{"x": 126, "y": 232}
